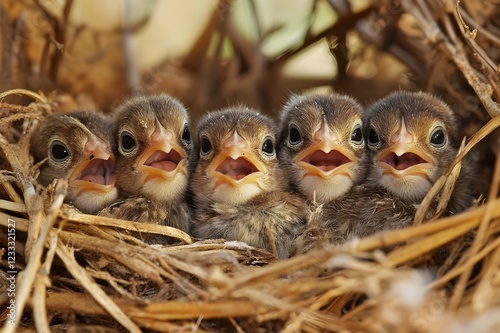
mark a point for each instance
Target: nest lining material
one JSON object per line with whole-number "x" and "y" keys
{"x": 81, "y": 272}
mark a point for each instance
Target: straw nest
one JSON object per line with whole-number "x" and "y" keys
{"x": 79, "y": 272}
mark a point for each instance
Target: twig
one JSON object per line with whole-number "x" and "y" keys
{"x": 132, "y": 75}
{"x": 29, "y": 93}
{"x": 18, "y": 207}
{"x": 73, "y": 215}
{"x": 87, "y": 282}
{"x": 471, "y": 34}
{"x": 487, "y": 129}
{"x": 339, "y": 28}
{"x": 478, "y": 240}
{"x": 11, "y": 192}
{"x": 495, "y": 39}
{"x": 42, "y": 281}
{"x": 457, "y": 270}
{"x": 173, "y": 310}
{"x": 27, "y": 277}
{"x": 476, "y": 49}
{"x": 483, "y": 90}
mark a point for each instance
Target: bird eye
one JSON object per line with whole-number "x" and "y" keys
{"x": 127, "y": 142}
{"x": 357, "y": 135}
{"x": 186, "y": 135}
{"x": 206, "y": 145}
{"x": 373, "y": 139}
{"x": 59, "y": 152}
{"x": 438, "y": 138}
{"x": 268, "y": 146}
{"x": 294, "y": 136}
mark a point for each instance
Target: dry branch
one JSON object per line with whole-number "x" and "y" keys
{"x": 72, "y": 263}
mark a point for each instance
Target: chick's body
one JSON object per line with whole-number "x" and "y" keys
{"x": 323, "y": 149}
{"x": 412, "y": 138}
{"x": 239, "y": 189}
{"x": 153, "y": 147}
{"x": 77, "y": 147}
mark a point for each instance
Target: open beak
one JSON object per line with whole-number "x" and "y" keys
{"x": 96, "y": 171}
{"x": 236, "y": 165}
{"x": 326, "y": 157}
{"x": 402, "y": 158}
{"x": 164, "y": 158}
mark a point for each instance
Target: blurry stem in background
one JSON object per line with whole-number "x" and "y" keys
{"x": 59, "y": 26}
{"x": 256, "y": 21}
{"x": 337, "y": 44}
{"x": 343, "y": 24}
{"x": 131, "y": 74}
{"x": 198, "y": 53}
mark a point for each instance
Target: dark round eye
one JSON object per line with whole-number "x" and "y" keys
{"x": 373, "y": 137}
{"x": 268, "y": 146}
{"x": 438, "y": 138}
{"x": 294, "y": 136}
{"x": 59, "y": 152}
{"x": 127, "y": 142}
{"x": 357, "y": 135}
{"x": 186, "y": 135}
{"x": 206, "y": 145}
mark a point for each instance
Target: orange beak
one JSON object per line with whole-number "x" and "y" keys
{"x": 236, "y": 165}
{"x": 96, "y": 171}
{"x": 164, "y": 158}
{"x": 326, "y": 157}
{"x": 402, "y": 158}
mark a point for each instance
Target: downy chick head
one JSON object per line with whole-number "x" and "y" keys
{"x": 412, "y": 138}
{"x": 236, "y": 157}
{"x": 153, "y": 145}
{"x": 78, "y": 147}
{"x": 322, "y": 144}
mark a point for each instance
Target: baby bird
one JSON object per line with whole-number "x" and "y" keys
{"x": 240, "y": 191}
{"x": 77, "y": 147}
{"x": 323, "y": 150}
{"x": 412, "y": 139}
{"x": 322, "y": 145}
{"x": 153, "y": 143}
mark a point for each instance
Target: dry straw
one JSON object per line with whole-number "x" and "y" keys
{"x": 80, "y": 272}
{"x": 71, "y": 263}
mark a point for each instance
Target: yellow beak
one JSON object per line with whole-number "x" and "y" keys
{"x": 96, "y": 171}
{"x": 236, "y": 164}
{"x": 403, "y": 158}
{"x": 164, "y": 158}
{"x": 326, "y": 157}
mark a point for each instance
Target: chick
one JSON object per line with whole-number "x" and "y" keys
{"x": 322, "y": 145}
{"x": 412, "y": 138}
{"x": 240, "y": 191}
{"x": 77, "y": 147}
{"x": 153, "y": 144}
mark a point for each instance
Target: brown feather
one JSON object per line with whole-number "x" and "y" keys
{"x": 274, "y": 208}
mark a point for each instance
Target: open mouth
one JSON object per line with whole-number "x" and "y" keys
{"x": 326, "y": 161}
{"x": 236, "y": 168}
{"x": 164, "y": 161}
{"x": 404, "y": 161}
{"x": 98, "y": 171}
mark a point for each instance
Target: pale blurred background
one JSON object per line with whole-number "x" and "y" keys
{"x": 208, "y": 53}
